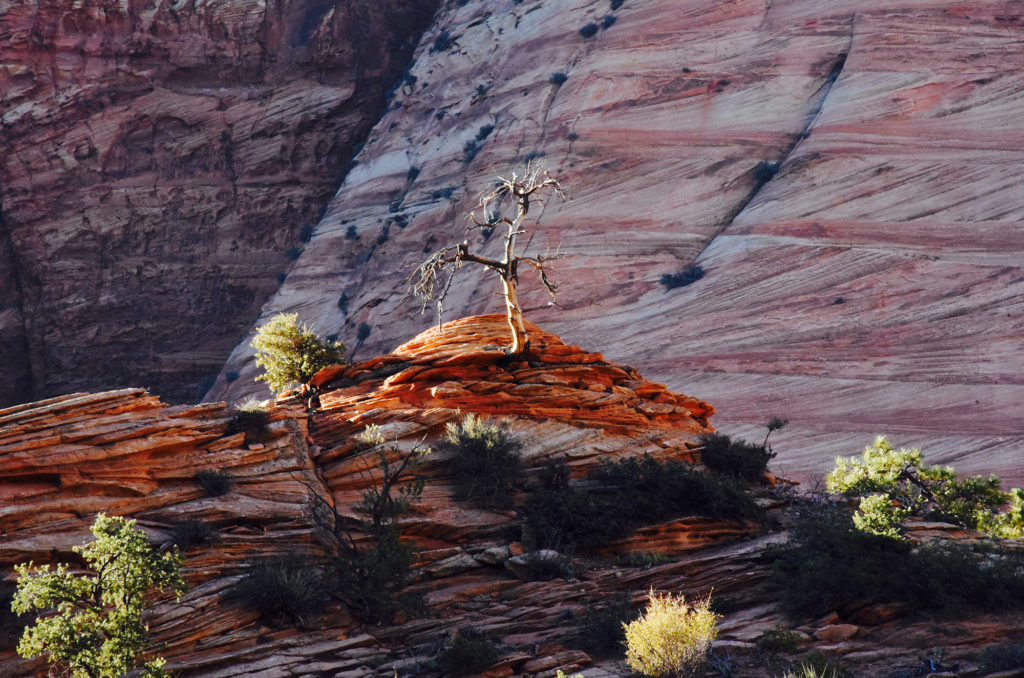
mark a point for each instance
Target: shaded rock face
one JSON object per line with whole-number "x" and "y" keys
{"x": 162, "y": 166}
{"x": 125, "y": 453}
{"x": 847, "y": 177}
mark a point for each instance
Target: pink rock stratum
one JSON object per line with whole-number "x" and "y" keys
{"x": 873, "y": 285}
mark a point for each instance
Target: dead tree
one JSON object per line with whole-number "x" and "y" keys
{"x": 433, "y": 279}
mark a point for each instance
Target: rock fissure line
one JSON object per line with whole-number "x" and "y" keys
{"x": 765, "y": 171}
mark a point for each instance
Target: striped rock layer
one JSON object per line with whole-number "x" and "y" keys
{"x": 847, "y": 175}
{"x": 126, "y": 453}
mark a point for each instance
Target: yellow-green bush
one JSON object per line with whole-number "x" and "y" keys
{"x": 672, "y": 637}
{"x": 291, "y": 353}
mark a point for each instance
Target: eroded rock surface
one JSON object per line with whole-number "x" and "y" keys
{"x": 125, "y": 452}
{"x": 162, "y": 165}
{"x": 847, "y": 175}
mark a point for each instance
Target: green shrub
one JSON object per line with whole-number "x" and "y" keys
{"x": 96, "y": 628}
{"x": 623, "y": 495}
{"x": 466, "y": 652}
{"x": 485, "y": 462}
{"x": 284, "y": 590}
{"x": 830, "y": 565}
{"x": 599, "y": 625}
{"x": 214, "y": 483}
{"x": 190, "y": 533}
{"x": 370, "y": 577}
{"x": 671, "y": 637}
{"x": 734, "y": 457}
{"x": 251, "y": 418}
{"x": 894, "y": 485}
{"x": 291, "y": 353}
{"x": 774, "y": 641}
{"x": 818, "y": 665}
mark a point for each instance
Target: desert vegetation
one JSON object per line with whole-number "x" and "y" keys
{"x": 90, "y": 625}
{"x": 432, "y": 281}
{"x": 672, "y": 637}
{"x": 290, "y": 352}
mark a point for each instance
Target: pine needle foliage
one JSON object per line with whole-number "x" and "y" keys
{"x": 95, "y": 629}
{"x": 672, "y": 637}
{"x": 894, "y": 485}
{"x": 291, "y": 353}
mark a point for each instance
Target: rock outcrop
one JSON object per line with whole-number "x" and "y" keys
{"x": 162, "y": 165}
{"x": 124, "y": 452}
{"x": 846, "y": 175}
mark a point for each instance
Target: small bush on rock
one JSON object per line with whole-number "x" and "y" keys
{"x": 291, "y": 353}
{"x": 894, "y": 485}
{"x": 600, "y": 626}
{"x": 467, "y": 651}
{"x": 734, "y": 457}
{"x": 485, "y": 461}
{"x": 671, "y": 638}
{"x": 189, "y": 533}
{"x": 370, "y": 576}
{"x": 831, "y": 565}
{"x": 285, "y": 590}
{"x": 214, "y": 483}
{"x": 250, "y": 419}
{"x": 620, "y": 496}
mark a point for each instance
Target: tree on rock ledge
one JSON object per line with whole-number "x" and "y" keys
{"x": 433, "y": 279}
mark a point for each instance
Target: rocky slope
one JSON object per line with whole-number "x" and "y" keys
{"x": 162, "y": 164}
{"x": 125, "y": 452}
{"x": 847, "y": 175}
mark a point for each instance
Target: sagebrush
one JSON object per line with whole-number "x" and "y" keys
{"x": 485, "y": 461}
{"x": 672, "y": 637}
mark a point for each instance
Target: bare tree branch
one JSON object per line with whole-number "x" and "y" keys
{"x": 428, "y": 284}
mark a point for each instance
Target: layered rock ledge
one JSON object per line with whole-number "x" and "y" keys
{"x": 124, "y": 452}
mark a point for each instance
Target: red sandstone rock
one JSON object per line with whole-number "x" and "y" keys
{"x": 873, "y": 285}
{"x": 159, "y": 162}
{"x": 124, "y": 452}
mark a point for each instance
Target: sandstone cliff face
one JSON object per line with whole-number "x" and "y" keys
{"x": 124, "y": 452}
{"x": 162, "y": 163}
{"x": 847, "y": 175}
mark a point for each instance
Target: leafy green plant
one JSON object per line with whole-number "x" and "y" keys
{"x": 734, "y": 457}
{"x": 894, "y": 485}
{"x": 96, "y": 628}
{"x": 774, "y": 641}
{"x": 672, "y": 637}
{"x": 599, "y": 626}
{"x": 284, "y": 590}
{"x": 466, "y": 652}
{"x": 291, "y": 353}
{"x": 620, "y": 496}
{"x": 214, "y": 483}
{"x": 829, "y": 565}
{"x": 251, "y": 418}
{"x": 369, "y": 575}
{"x": 484, "y": 461}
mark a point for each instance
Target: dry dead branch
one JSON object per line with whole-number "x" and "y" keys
{"x": 433, "y": 279}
